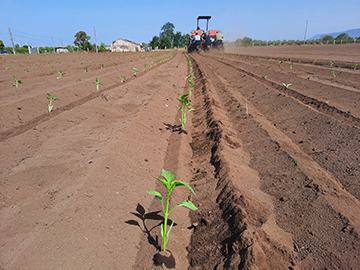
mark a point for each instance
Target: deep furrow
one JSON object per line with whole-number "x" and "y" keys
{"x": 304, "y": 201}
{"x": 321, "y": 106}
{"x": 333, "y": 144}
{"x": 227, "y": 232}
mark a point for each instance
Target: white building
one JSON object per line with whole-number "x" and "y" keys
{"x": 124, "y": 45}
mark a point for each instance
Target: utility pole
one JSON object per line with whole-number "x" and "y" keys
{"x": 95, "y": 40}
{"x": 53, "y": 43}
{"x": 305, "y": 31}
{"x": 12, "y": 41}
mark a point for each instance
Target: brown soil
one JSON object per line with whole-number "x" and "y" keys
{"x": 276, "y": 170}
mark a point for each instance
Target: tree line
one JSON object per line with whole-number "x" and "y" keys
{"x": 168, "y": 38}
{"x": 327, "y": 39}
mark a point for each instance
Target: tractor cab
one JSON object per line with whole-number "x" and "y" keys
{"x": 212, "y": 34}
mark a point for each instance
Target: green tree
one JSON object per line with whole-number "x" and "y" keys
{"x": 2, "y": 45}
{"x": 155, "y": 42}
{"x": 344, "y": 37}
{"x": 177, "y": 39}
{"x": 185, "y": 39}
{"x": 246, "y": 41}
{"x": 326, "y": 38}
{"x": 165, "y": 42}
{"x": 80, "y": 38}
{"x": 86, "y": 45}
{"x": 167, "y": 30}
{"x": 102, "y": 47}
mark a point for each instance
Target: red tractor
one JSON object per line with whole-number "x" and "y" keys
{"x": 205, "y": 40}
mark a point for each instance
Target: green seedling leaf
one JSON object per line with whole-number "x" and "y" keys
{"x": 264, "y": 77}
{"x": 156, "y": 194}
{"x": 189, "y": 205}
{"x": 291, "y": 65}
{"x": 333, "y": 73}
{"x": 355, "y": 66}
{"x": 60, "y": 74}
{"x": 299, "y": 60}
{"x": 17, "y": 82}
{"x": 85, "y": 69}
{"x": 331, "y": 63}
{"x": 7, "y": 68}
{"x": 286, "y": 85}
{"x": 314, "y": 61}
{"x": 26, "y": 70}
{"x": 279, "y": 63}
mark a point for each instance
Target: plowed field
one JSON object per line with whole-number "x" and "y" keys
{"x": 276, "y": 169}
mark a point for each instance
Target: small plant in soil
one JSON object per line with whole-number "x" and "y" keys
{"x": 331, "y": 63}
{"x": 291, "y": 65}
{"x": 26, "y": 70}
{"x": 355, "y": 66}
{"x": 51, "y": 98}
{"x": 264, "y": 77}
{"x": 314, "y": 61}
{"x": 32, "y": 64}
{"x": 98, "y": 83}
{"x": 101, "y": 66}
{"x": 17, "y": 82}
{"x": 268, "y": 61}
{"x": 122, "y": 78}
{"x": 85, "y": 69}
{"x": 191, "y": 88}
{"x": 170, "y": 184}
{"x": 60, "y": 74}
{"x": 184, "y": 109}
{"x": 299, "y": 60}
{"x": 135, "y": 70}
{"x": 7, "y": 68}
{"x": 333, "y": 73}
{"x": 279, "y": 63}
{"x": 286, "y": 85}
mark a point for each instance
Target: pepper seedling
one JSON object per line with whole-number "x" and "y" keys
{"x": 122, "y": 78}
{"x": 184, "y": 109}
{"x": 51, "y": 98}
{"x": 279, "y": 63}
{"x": 7, "y": 68}
{"x": 17, "y": 82}
{"x": 333, "y": 73}
{"x": 170, "y": 184}
{"x": 98, "y": 83}
{"x": 264, "y": 77}
{"x": 85, "y": 69}
{"x": 331, "y": 63}
{"x": 60, "y": 74}
{"x": 286, "y": 85}
{"x": 135, "y": 70}
{"x": 355, "y": 66}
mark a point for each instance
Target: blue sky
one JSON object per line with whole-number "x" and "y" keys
{"x": 35, "y": 22}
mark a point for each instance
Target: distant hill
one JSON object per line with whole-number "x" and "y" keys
{"x": 354, "y": 33}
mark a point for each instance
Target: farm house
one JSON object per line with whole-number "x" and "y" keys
{"x": 124, "y": 45}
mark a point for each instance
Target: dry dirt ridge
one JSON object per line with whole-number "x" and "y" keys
{"x": 276, "y": 170}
